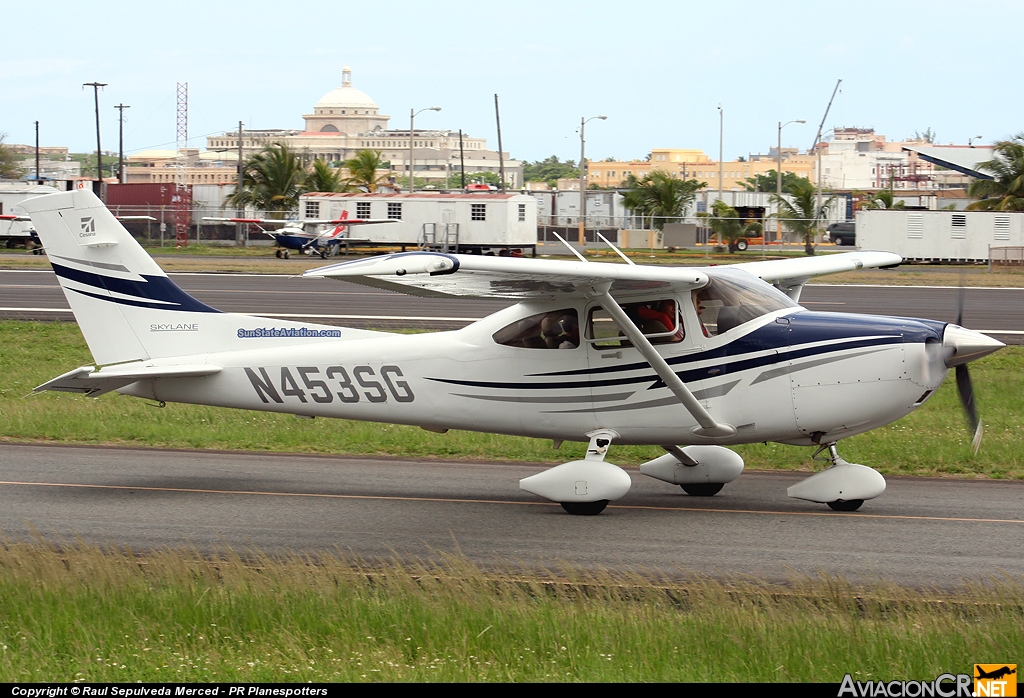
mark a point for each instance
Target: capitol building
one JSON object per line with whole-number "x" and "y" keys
{"x": 346, "y": 120}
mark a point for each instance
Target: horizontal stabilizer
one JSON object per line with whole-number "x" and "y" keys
{"x": 88, "y": 381}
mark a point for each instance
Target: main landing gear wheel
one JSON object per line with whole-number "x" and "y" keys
{"x": 703, "y": 489}
{"x": 840, "y": 505}
{"x": 286, "y": 254}
{"x": 585, "y": 508}
{"x": 278, "y": 253}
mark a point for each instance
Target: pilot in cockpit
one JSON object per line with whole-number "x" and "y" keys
{"x": 698, "y": 305}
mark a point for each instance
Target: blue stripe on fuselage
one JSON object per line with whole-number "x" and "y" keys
{"x": 784, "y": 340}
{"x": 154, "y": 288}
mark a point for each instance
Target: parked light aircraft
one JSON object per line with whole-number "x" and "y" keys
{"x": 306, "y": 235}
{"x": 693, "y": 360}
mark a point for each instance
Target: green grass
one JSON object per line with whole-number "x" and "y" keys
{"x": 933, "y": 440}
{"x": 85, "y": 614}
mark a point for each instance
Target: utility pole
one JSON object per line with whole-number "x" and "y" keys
{"x": 817, "y": 147}
{"x": 120, "y": 144}
{"x": 97, "y": 186}
{"x": 501, "y": 156}
{"x": 37, "y": 153}
{"x": 240, "y": 211}
{"x": 721, "y": 129}
{"x": 462, "y": 160}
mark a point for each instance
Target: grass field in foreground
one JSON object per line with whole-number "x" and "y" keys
{"x": 933, "y": 440}
{"x": 85, "y": 614}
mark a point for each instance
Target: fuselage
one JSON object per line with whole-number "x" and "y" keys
{"x": 789, "y": 375}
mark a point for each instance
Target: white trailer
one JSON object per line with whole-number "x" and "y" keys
{"x": 939, "y": 236}
{"x": 19, "y": 233}
{"x": 474, "y": 223}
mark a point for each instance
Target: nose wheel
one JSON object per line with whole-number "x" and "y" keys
{"x": 843, "y": 487}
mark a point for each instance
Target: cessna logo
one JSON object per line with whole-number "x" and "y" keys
{"x": 88, "y": 227}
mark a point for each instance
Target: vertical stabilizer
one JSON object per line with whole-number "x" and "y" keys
{"x": 109, "y": 280}
{"x": 124, "y": 303}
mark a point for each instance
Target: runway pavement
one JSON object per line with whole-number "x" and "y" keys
{"x": 36, "y": 295}
{"x": 922, "y": 532}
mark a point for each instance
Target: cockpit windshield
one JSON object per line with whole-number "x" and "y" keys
{"x": 734, "y": 297}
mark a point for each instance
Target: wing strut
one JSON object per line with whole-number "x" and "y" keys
{"x": 708, "y": 426}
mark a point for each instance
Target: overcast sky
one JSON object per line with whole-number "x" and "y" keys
{"x": 657, "y": 69}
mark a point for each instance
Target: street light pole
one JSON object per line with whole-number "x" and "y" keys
{"x": 412, "y": 119}
{"x": 778, "y": 172}
{"x": 583, "y": 178}
{"x": 970, "y": 141}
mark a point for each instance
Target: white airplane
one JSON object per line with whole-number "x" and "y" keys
{"x": 693, "y": 360}
{"x": 306, "y": 235}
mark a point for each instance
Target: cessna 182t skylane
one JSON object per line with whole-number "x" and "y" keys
{"x": 610, "y": 353}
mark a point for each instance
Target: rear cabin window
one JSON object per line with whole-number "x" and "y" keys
{"x": 557, "y": 329}
{"x": 733, "y": 298}
{"x": 657, "y": 320}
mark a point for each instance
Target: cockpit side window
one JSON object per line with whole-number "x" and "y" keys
{"x": 733, "y": 298}
{"x": 657, "y": 320}
{"x": 556, "y": 329}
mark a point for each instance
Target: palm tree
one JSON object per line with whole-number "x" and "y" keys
{"x": 9, "y": 166}
{"x": 323, "y": 177}
{"x": 883, "y": 199}
{"x": 802, "y": 216}
{"x": 1005, "y": 191}
{"x": 272, "y": 180}
{"x": 363, "y": 170}
{"x": 660, "y": 196}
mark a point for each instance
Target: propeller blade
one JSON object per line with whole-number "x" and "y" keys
{"x": 966, "y": 390}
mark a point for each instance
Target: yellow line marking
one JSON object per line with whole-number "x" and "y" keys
{"x": 453, "y": 500}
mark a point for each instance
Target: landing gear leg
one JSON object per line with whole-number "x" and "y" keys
{"x": 843, "y": 487}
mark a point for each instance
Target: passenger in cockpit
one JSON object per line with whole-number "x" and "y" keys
{"x": 698, "y": 305}
{"x": 560, "y": 331}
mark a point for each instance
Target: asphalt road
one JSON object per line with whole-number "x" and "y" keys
{"x": 921, "y": 532}
{"x": 36, "y": 295}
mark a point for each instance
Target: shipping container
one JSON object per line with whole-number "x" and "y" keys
{"x": 939, "y": 236}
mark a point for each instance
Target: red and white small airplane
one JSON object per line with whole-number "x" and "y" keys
{"x": 690, "y": 359}
{"x": 307, "y": 235}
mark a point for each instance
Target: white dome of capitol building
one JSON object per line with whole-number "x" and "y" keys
{"x": 345, "y": 110}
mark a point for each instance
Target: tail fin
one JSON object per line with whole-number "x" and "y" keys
{"x": 126, "y": 306}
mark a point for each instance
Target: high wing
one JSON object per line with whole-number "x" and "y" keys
{"x": 437, "y": 274}
{"x": 303, "y": 221}
{"x": 790, "y": 275}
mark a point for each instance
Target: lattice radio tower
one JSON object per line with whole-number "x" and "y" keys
{"x": 182, "y": 194}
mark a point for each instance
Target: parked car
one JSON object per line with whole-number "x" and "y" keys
{"x": 843, "y": 233}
